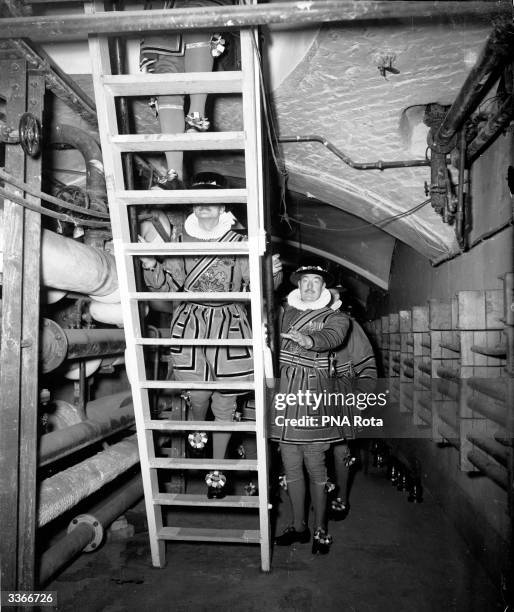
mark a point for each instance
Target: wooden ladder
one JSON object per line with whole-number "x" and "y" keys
{"x": 107, "y": 87}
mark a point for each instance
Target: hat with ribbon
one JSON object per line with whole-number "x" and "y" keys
{"x": 208, "y": 180}
{"x": 311, "y": 269}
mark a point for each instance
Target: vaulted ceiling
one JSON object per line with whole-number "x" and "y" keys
{"x": 353, "y": 85}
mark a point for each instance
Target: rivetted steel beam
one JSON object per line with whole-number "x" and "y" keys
{"x": 300, "y": 13}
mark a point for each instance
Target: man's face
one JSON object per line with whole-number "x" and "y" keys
{"x": 206, "y": 211}
{"x": 311, "y": 286}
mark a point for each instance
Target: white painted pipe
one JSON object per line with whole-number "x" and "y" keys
{"x": 72, "y": 266}
{"x": 60, "y": 492}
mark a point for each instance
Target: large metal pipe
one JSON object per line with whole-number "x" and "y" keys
{"x": 105, "y": 416}
{"x": 74, "y": 542}
{"x": 58, "y": 344}
{"x": 495, "y": 54}
{"x": 92, "y": 153}
{"x": 492, "y": 388}
{"x": 300, "y": 13}
{"x": 72, "y": 266}
{"x": 63, "y": 491}
{"x": 493, "y": 471}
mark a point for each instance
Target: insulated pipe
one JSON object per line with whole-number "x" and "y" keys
{"x": 74, "y": 542}
{"x": 72, "y": 266}
{"x": 90, "y": 150}
{"x": 61, "y": 492}
{"x": 496, "y": 52}
{"x": 105, "y": 416}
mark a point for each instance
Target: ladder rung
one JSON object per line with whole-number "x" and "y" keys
{"x": 198, "y": 141}
{"x": 183, "y": 384}
{"x": 230, "y": 501}
{"x": 174, "y": 84}
{"x": 168, "y": 425}
{"x": 192, "y": 342}
{"x": 187, "y": 248}
{"x": 171, "y": 463}
{"x": 243, "y": 536}
{"x": 136, "y": 197}
{"x": 190, "y": 296}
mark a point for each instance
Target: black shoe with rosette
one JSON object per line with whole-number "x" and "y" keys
{"x": 216, "y": 482}
{"x": 321, "y": 542}
{"x": 291, "y": 536}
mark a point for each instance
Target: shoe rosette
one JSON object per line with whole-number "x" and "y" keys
{"x": 350, "y": 460}
{"x": 250, "y": 489}
{"x": 322, "y": 537}
{"x": 195, "y": 122}
{"x": 197, "y": 439}
{"x": 329, "y": 487}
{"x": 216, "y": 479}
{"x": 217, "y": 44}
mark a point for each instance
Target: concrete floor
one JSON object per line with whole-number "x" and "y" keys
{"x": 388, "y": 556}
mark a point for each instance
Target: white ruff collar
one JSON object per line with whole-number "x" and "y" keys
{"x": 226, "y": 221}
{"x": 294, "y": 300}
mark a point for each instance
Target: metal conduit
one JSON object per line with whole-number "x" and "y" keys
{"x": 448, "y": 373}
{"x": 448, "y": 389}
{"x": 493, "y": 412}
{"x": 425, "y": 366}
{"x": 377, "y": 165}
{"x": 61, "y": 492}
{"x": 74, "y": 542}
{"x": 490, "y": 387}
{"x": 105, "y": 416}
{"x": 72, "y": 27}
{"x": 491, "y": 447}
{"x": 496, "y": 473}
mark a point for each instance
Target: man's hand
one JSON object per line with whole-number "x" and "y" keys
{"x": 276, "y": 264}
{"x": 303, "y": 340}
{"x": 148, "y": 263}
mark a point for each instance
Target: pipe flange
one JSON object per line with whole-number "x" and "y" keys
{"x": 442, "y": 148}
{"x": 30, "y": 134}
{"x": 97, "y": 529}
{"x": 53, "y": 346}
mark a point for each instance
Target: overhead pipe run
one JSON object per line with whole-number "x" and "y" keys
{"x": 378, "y": 165}
{"x": 300, "y": 13}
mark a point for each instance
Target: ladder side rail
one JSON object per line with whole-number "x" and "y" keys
{"x": 253, "y": 172}
{"x": 107, "y": 121}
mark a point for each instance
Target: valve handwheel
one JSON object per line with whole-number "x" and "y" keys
{"x": 30, "y": 134}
